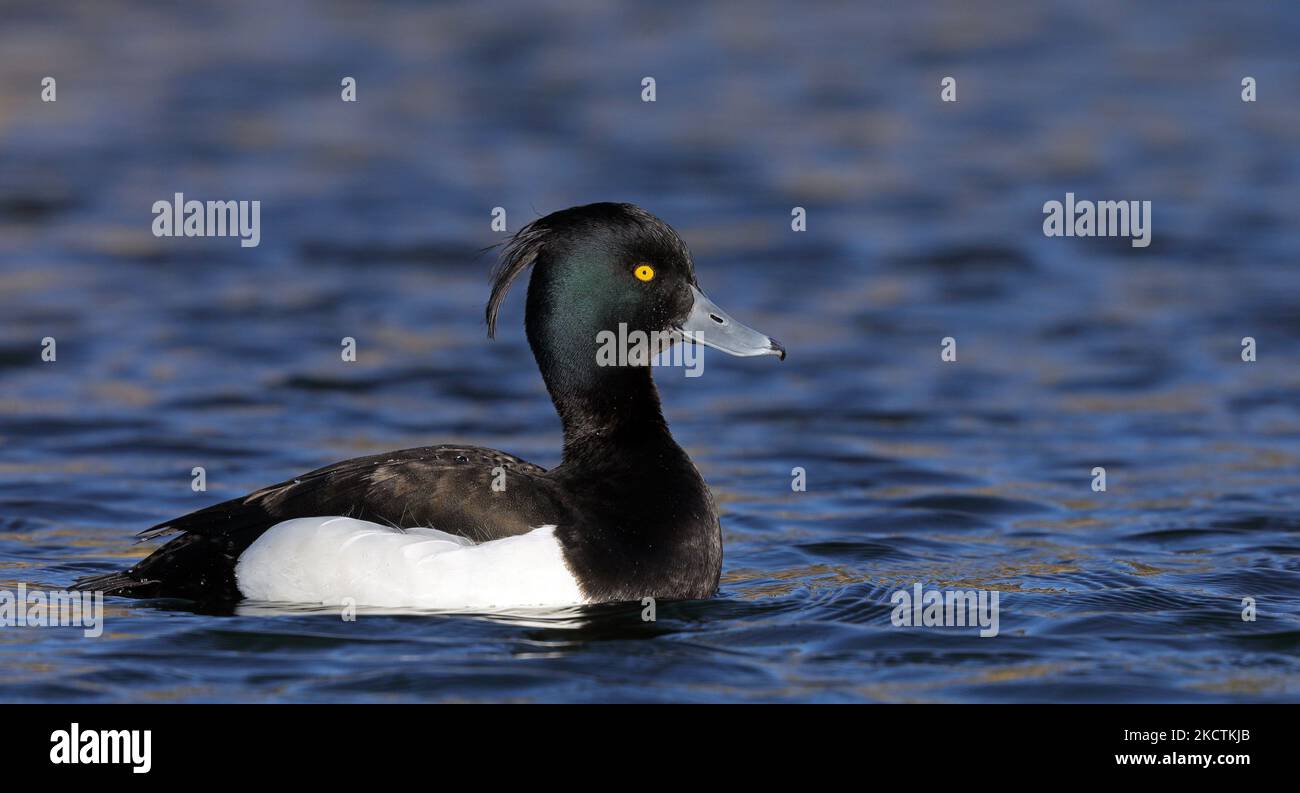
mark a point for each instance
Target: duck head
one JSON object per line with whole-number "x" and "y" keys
{"x": 610, "y": 269}
{"x": 602, "y": 265}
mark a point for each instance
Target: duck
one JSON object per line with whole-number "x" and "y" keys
{"x": 624, "y": 516}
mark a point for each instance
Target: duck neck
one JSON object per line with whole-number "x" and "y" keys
{"x": 608, "y": 412}
{"x": 611, "y": 414}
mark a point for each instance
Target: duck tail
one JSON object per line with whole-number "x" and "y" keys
{"x": 119, "y": 582}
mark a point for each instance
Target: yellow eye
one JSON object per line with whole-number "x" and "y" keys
{"x": 644, "y": 272}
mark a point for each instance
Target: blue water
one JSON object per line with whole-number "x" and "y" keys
{"x": 924, "y": 221}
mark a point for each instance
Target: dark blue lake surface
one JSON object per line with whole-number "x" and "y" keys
{"x": 924, "y": 222}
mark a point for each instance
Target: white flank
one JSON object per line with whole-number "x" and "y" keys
{"x": 340, "y": 561}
